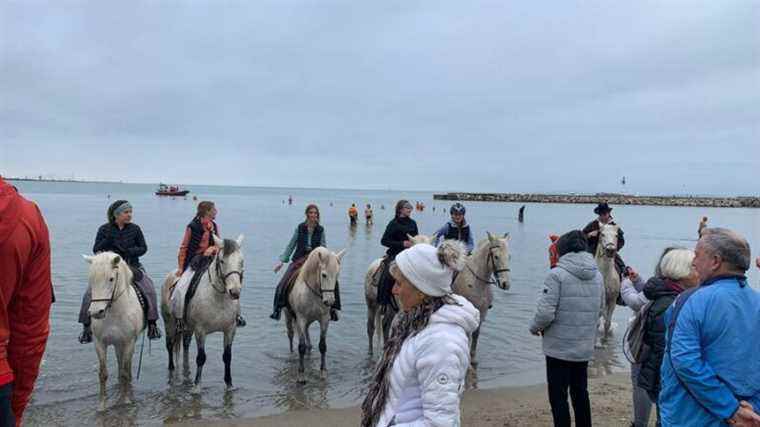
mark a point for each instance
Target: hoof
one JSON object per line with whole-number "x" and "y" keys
{"x": 230, "y": 387}
{"x": 102, "y": 406}
{"x": 301, "y": 379}
{"x": 323, "y": 374}
{"x": 196, "y": 389}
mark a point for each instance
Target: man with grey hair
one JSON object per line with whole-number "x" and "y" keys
{"x": 711, "y": 368}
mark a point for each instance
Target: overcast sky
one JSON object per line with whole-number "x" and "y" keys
{"x": 445, "y": 95}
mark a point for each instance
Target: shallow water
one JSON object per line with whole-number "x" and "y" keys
{"x": 263, "y": 369}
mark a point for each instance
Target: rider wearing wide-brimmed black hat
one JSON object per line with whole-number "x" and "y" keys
{"x": 604, "y": 211}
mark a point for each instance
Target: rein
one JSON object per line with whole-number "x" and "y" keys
{"x": 220, "y": 274}
{"x": 493, "y": 280}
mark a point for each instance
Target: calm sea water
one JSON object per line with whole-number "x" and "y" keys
{"x": 263, "y": 368}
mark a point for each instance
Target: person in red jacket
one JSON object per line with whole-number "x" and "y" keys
{"x": 26, "y": 293}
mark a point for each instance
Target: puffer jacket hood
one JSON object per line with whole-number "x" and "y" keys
{"x": 580, "y": 264}
{"x": 464, "y": 315}
{"x": 657, "y": 287}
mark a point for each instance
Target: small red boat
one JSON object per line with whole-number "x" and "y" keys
{"x": 170, "y": 190}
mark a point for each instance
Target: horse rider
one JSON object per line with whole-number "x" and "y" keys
{"x": 307, "y": 236}
{"x": 604, "y": 212}
{"x": 353, "y": 214}
{"x": 396, "y": 239}
{"x": 456, "y": 229}
{"x": 195, "y": 254}
{"x": 124, "y": 238}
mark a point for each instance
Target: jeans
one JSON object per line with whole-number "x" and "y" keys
{"x": 642, "y": 405}
{"x": 562, "y": 375}
{"x": 6, "y": 413}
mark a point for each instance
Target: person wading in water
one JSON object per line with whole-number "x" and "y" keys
{"x": 124, "y": 238}
{"x": 307, "y": 236}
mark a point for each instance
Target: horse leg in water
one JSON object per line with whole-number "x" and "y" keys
{"x": 124, "y": 353}
{"x": 611, "y": 301}
{"x": 229, "y": 336}
{"x": 289, "y": 325}
{"x": 186, "y": 338}
{"x": 371, "y": 311}
{"x": 200, "y": 360}
{"x": 170, "y": 349}
{"x": 102, "y": 352}
{"x": 474, "y": 346}
{"x": 323, "y": 324}
{"x": 302, "y": 330}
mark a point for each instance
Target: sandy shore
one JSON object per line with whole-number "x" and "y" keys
{"x": 515, "y": 406}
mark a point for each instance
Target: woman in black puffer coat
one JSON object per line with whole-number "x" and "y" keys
{"x": 677, "y": 276}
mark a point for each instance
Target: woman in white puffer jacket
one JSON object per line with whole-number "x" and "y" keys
{"x": 420, "y": 379}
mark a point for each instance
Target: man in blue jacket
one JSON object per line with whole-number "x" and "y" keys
{"x": 711, "y": 368}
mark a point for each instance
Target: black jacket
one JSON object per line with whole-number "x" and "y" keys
{"x": 302, "y": 247}
{"x": 129, "y": 242}
{"x": 662, "y": 293}
{"x": 396, "y": 233}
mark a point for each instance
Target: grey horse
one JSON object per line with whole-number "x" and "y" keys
{"x": 214, "y": 308}
{"x": 309, "y": 301}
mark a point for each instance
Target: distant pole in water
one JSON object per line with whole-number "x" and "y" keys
{"x": 622, "y": 181}
{"x": 290, "y": 200}
{"x": 521, "y": 214}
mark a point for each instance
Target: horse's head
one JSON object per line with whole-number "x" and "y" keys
{"x": 229, "y": 265}
{"x": 608, "y": 239}
{"x": 499, "y": 258}
{"x": 328, "y": 265}
{"x": 420, "y": 238}
{"x": 107, "y": 274}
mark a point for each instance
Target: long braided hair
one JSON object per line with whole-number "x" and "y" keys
{"x": 406, "y": 325}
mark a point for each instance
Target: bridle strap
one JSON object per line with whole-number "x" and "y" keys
{"x": 494, "y": 270}
{"x": 220, "y": 274}
{"x": 322, "y": 290}
{"x": 114, "y": 297}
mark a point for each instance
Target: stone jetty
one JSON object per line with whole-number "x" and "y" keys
{"x": 611, "y": 198}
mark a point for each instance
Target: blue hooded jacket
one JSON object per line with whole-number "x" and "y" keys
{"x": 714, "y": 358}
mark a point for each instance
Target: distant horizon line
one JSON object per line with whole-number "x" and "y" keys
{"x": 561, "y": 193}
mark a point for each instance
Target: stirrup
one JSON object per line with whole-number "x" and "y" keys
{"x": 153, "y": 332}
{"x": 241, "y": 321}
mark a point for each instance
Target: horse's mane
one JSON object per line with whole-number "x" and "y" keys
{"x": 230, "y": 246}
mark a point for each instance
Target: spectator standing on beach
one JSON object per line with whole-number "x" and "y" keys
{"x": 566, "y": 317}
{"x": 631, "y": 292}
{"x": 676, "y": 275}
{"x": 702, "y": 226}
{"x": 711, "y": 370}
{"x": 421, "y": 377}
{"x": 26, "y": 292}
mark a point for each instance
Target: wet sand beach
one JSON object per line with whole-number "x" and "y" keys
{"x": 510, "y": 406}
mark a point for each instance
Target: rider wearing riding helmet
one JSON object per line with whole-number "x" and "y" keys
{"x": 456, "y": 229}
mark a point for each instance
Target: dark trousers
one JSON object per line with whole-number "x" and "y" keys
{"x": 562, "y": 375}
{"x": 282, "y": 291}
{"x": 6, "y": 413}
{"x": 146, "y": 287}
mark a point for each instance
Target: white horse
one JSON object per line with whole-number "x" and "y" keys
{"x": 309, "y": 301}
{"x": 117, "y": 317}
{"x": 214, "y": 308}
{"x": 488, "y": 265}
{"x": 605, "y": 259}
{"x": 376, "y": 320}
